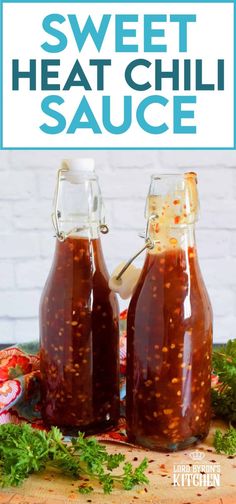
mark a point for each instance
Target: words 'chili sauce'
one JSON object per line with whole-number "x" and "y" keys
{"x": 169, "y": 338}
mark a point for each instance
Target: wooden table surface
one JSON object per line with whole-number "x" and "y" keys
{"x": 49, "y": 488}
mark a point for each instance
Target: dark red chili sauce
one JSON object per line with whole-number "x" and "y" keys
{"x": 169, "y": 353}
{"x": 79, "y": 329}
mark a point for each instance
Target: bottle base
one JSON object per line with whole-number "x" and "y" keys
{"x": 154, "y": 443}
{"x": 88, "y": 430}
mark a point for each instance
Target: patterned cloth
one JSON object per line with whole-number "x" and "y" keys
{"x": 20, "y": 382}
{"x": 19, "y": 386}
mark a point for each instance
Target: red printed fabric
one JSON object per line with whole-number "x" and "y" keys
{"x": 20, "y": 386}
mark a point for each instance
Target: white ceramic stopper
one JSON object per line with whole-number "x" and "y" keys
{"x": 127, "y": 283}
{"x": 78, "y": 168}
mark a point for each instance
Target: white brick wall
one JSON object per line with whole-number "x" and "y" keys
{"x": 27, "y": 180}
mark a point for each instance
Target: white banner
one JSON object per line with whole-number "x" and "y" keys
{"x": 145, "y": 75}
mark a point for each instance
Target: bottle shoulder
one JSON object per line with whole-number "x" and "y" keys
{"x": 172, "y": 282}
{"x": 78, "y": 275}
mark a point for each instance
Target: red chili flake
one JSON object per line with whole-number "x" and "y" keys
{"x": 177, "y": 311}
{"x": 177, "y": 219}
{"x": 162, "y": 466}
{"x": 123, "y": 315}
{"x": 176, "y": 202}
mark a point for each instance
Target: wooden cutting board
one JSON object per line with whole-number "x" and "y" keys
{"x": 51, "y": 488}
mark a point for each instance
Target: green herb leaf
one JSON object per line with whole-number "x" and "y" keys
{"x": 225, "y": 442}
{"x": 133, "y": 477}
{"x": 224, "y": 396}
{"x": 24, "y": 450}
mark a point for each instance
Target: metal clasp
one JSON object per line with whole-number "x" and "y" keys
{"x": 61, "y": 236}
{"x": 149, "y": 244}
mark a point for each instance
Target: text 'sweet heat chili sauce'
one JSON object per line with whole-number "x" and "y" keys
{"x": 169, "y": 326}
{"x": 79, "y": 314}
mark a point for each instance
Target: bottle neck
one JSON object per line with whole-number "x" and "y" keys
{"x": 172, "y": 210}
{"x": 78, "y": 208}
{"x": 81, "y": 230}
{"x": 171, "y": 238}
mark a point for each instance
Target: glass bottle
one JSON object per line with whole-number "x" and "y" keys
{"x": 169, "y": 333}
{"x": 79, "y": 315}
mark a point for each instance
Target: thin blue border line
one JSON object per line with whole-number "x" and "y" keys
{"x": 117, "y": 1}
{"x": 1, "y": 76}
{"x": 111, "y": 148}
{"x": 234, "y": 59}
{"x": 120, "y": 148}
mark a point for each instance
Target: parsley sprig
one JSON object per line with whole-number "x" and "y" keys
{"x": 224, "y": 396}
{"x": 25, "y": 450}
{"x": 225, "y": 442}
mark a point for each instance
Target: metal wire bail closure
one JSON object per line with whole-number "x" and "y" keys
{"x": 104, "y": 228}
{"x": 149, "y": 244}
{"x": 56, "y": 214}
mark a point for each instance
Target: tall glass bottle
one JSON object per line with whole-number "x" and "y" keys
{"x": 169, "y": 325}
{"x": 79, "y": 314}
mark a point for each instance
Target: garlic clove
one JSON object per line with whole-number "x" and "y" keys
{"x": 125, "y": 285}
